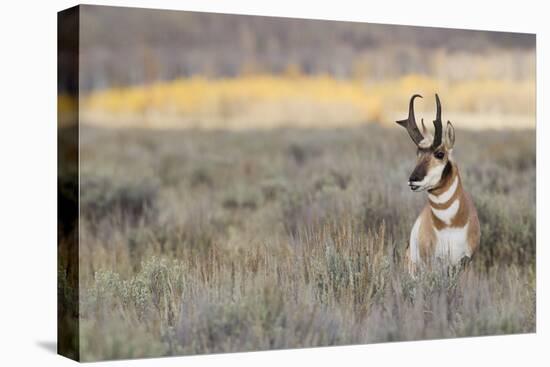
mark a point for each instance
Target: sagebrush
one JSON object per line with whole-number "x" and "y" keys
{"x": 201, "y": 242}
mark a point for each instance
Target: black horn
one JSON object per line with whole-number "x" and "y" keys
{"x": 437, "y": 124}
{"x": 410, "y": 123}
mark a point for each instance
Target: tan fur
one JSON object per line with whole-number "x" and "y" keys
{"x": 429, "y": 222}
{"x": 474, "y": 231}
{"x": 426, "y": 234}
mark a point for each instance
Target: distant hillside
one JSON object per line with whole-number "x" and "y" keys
{"x": 122, "y": 46}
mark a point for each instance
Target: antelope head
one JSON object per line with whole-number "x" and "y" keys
{"x": 434, "y": 153}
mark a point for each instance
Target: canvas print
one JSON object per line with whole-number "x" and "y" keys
{"x": 232, "y": 183}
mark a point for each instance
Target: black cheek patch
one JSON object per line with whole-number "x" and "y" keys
{"x": 447, "y": 171}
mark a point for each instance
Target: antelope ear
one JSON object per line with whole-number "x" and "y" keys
{"x": 449, "y": 136}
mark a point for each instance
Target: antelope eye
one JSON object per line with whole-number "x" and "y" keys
{"x": 439, "y": 155}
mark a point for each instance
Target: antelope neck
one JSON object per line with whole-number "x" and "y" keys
{"x": 450, "y": 180}
{"x": 445, "y": 200}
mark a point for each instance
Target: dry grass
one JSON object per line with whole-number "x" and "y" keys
{"x": 201, "y": 242}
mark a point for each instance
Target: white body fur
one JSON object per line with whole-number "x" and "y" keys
{"x": 452, "y": 244}
{"x": 414, "y": 243}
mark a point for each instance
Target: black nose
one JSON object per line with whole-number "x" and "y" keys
{"x": 414, "y": 178}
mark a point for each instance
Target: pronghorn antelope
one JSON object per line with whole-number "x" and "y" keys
{"x": 447, "y": 229}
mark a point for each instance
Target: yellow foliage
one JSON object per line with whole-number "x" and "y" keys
{"x": 265, "y": 100}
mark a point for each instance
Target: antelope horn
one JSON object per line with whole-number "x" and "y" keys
{"x": 437, "y": 124}
{"x": 410, "y": 123}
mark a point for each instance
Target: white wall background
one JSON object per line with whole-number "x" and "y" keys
{"x": 28, "y": 181}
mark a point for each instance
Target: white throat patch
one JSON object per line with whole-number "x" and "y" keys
{"x": 447, "y": 195}
{"x": 447, "y": 215}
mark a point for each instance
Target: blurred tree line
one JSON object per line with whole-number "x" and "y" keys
{"x": 126, "y": 46}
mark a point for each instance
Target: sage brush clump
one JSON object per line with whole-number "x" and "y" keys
{"x": 204, "y": 242}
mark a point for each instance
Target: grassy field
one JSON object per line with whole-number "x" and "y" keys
{"x": 213, "y": 241}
